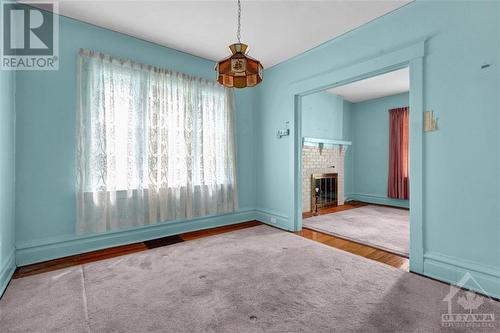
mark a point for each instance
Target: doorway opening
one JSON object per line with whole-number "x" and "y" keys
{"x": 355, "y": 172}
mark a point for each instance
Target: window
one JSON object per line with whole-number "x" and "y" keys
{"x": 152, "y": 145}
{"x": 398, "y": 182}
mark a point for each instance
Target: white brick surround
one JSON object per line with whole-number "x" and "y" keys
{"x": 315, "y": 160}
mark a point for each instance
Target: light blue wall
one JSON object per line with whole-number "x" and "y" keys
{"x": 7, "y": 183}
{"x": 461, "y": 187}
{"x": 45, "y": 190}
{"x": 322, "y": 116}
{"x": 460, "y": 163}
{"x": 370, "y": 149}
{"x": 348, "y": 160}
{"x": 366, "y": 124}
{"x": 328, "y": 116}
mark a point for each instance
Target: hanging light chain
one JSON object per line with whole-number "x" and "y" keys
{"x": 238, "y": 35}
{"x": 239, "y": 70}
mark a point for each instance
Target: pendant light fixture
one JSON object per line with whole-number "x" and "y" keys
{"x": 239, "y": 70}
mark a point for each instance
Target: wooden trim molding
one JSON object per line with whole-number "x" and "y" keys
{"x": 452, "y": 270}
{"x": 7, "y": 271}
{"x": 409, "y": 55}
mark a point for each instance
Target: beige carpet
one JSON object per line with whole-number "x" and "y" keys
{"x": 382, "y": 227}
{"x": 258, "y": 279}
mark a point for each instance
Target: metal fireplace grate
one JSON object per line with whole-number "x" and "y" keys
{"x": 324, "y": 190}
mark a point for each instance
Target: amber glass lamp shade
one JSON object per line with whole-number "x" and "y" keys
{"x": 239, "y": 70}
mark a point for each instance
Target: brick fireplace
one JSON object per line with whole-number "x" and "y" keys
{"x": 319, "y": 160}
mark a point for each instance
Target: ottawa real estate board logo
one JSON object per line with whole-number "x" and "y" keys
{"x": 468, "y": 310}
{"x": 30, "y": 36}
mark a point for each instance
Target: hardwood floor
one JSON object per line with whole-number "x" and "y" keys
{"x": 346, "y": 206}
{"x": 123, "y": 250}
{"x": 350, "y": 246}
{"x": 339, "y": 243}
{"x": 369, "y": 252}
{"x": 329, "y": 210}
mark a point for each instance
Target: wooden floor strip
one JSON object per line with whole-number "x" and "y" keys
{"x": 88, "y": 257}
{"x": 366, "y": 251}
{"x": 329, "y": 210}
{"x": 339, "y": 243}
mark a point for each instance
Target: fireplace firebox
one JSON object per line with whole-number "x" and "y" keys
{"x": 324, "y": 191}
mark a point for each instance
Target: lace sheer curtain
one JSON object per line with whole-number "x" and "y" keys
{"x": 152, "y": 145}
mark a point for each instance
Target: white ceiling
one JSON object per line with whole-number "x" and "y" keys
{"x": 274, "y": 30}
{"x": 388, "y": 84}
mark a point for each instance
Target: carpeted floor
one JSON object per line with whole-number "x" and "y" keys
{"x": 381, "y": 227}
{"x": 258, "y": 279}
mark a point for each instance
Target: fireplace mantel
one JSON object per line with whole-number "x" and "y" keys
{"x": 307, "y": 141}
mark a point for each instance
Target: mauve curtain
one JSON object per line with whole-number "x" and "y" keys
{"x": 398, "y": 186}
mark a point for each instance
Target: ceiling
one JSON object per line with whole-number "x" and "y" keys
{"x": 388, "y": 84}
{"x": 275, "y": 30}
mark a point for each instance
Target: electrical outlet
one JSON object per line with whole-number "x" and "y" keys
{"x": 273, "y": 220}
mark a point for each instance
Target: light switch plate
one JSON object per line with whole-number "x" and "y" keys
{"x": 283, "y": 132}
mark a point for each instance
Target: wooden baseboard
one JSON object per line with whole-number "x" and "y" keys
{"x": 7, "y": 271}
{"x": 378, "y": 200}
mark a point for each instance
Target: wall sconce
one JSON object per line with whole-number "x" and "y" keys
{"x": 283, "y": 132}
{"x": 430, "y": 122}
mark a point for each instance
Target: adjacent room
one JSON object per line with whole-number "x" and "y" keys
{"x": 249, "y": 166}
{"x": 355, "y": 170}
